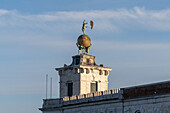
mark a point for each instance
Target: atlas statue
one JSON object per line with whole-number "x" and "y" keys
{"x": 84, "y": 41}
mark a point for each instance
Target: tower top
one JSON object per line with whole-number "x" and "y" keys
{"x": 83, "y": 60}
{"x": 83, "y": 76}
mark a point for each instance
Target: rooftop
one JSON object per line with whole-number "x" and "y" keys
{"x": 155, "y": 89}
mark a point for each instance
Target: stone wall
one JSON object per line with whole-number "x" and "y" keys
{"x": 93, "y": 75}
{"x": 153, "y": 104}
{"x": 69, "y": 76}
{"x": 115, "y": 101}
{"x": 147, "y": 90}
{"x": 156, "y": 104}
{"x": 82, "y": 72}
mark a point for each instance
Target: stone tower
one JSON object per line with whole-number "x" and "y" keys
{"x": 83, "y": 76}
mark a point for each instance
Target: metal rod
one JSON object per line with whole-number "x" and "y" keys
{"x": 46, "y": 85}
{"x": 58, "y": 86}
{"x": 51, "y": 88}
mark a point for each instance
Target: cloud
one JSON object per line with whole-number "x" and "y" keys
{"x": 53, "y": 29}
{"x": 2, "y": 12}
{"x": 112, "y": 20}
{"x": 146, "y": 19}
{"x": 7, "y": 12}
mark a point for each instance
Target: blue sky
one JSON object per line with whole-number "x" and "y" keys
{"x": 132, "y": 37}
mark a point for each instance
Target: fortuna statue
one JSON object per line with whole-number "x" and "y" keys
{"x": 84, "y": 41}
{"x": 84, "y": 26}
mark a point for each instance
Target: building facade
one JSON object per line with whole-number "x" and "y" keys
{"x": 82, "y": 76}
{"x": 151, "y": 98}
{"x": 84, "y": 89}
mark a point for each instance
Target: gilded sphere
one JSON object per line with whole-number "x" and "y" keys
{"x": 84, "y": 40}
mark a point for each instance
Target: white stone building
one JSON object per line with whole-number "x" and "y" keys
{"x": 83, "y": 76}
{"x": 84, "y": 89}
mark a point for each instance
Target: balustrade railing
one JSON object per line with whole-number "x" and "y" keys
{"x": 88, "y": 95}
{"x": 59, "y": 101}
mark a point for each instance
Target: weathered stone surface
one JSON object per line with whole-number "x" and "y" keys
{"x": 82, "y": 72}
{"x": 151, "y": 98}
{"x": 115, "y": 102}
{"x": 146, "y": 90}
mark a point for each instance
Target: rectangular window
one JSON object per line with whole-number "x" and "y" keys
{"x": 70, "y": 89}
{"x": 77, "y": 61}
{"x": 88, "y": 61}
{"x": 94, "y": 87}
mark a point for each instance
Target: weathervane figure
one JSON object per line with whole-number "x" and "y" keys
{"x": 84, "y": 25}
{"x": 84, "y": 41}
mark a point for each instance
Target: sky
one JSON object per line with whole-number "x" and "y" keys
{"x": 132, "y": 37}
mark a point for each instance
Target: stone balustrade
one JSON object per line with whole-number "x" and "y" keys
{"x": 73, "y": 97}
{"x": 108, "y": 94}
{"x": 65, "y": 99}
{"x": 89, "y": 95}
{"x": 80, "y": 96}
